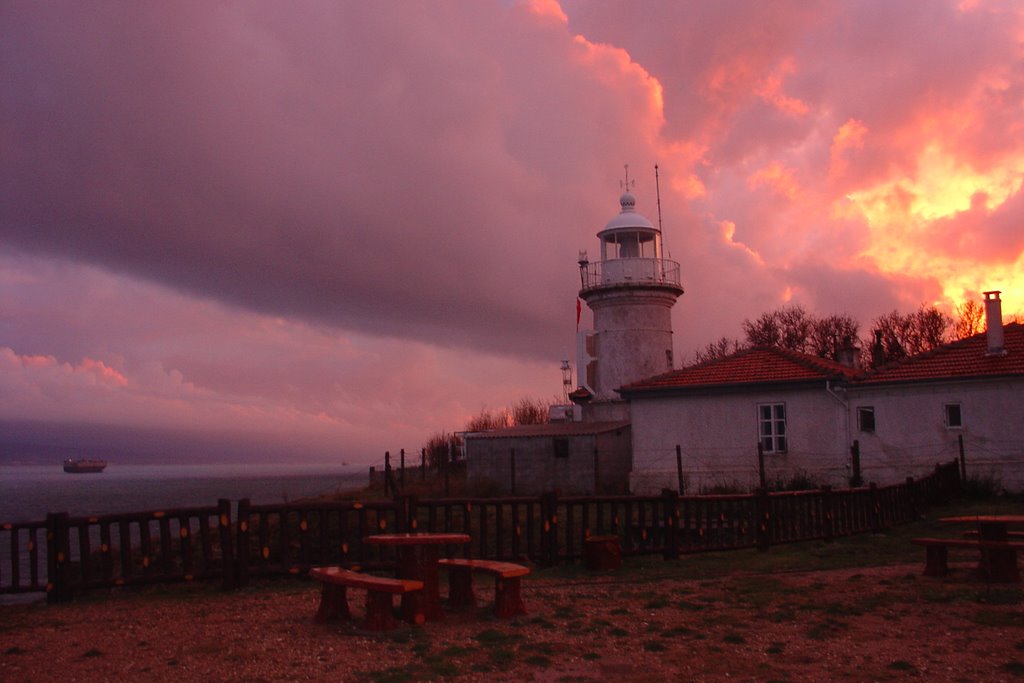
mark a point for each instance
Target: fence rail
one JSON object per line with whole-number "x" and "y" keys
{"x": 64, "y": 554}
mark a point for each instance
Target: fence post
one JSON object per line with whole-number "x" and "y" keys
{"x": 405, "y": 514}
{"x": 912, "y": 502}
{"x": 760, "y": 466}
{"x": 963, "y": 462}
{"x": 549, "y": 530}
{"x": 876, "y": 509}
{"x": 226, "y": 547}
{"x": 827, "y": 526}
{"x": 446, "y": 459}
{"x": 242, "y": 546}
{"x": 58, "y": 565}
{"x": 762, "y": 515}
{"x": 670, "y": 521}
{"x": 423, "y": 464}
{"x": 679, "y": 469}
{"x": 856, "y": 480}
{"x": 387, "y": 472}
{"x": 512, "y": 473}
{"x": 401, "y": 471}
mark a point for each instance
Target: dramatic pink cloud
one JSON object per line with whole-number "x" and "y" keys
{"x": 330, "y": 229}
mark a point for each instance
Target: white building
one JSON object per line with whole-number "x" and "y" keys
{"x": 811, "y": 416}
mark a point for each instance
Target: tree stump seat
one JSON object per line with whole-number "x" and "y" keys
{"x": 602, "y": 553}
{"x": 379, "y": 593}
{"x": 508, "y": 601}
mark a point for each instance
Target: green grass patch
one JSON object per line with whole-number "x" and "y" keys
{"x": 902, "y": 665}
{"x": 539, "y": 661}
{"x": 826, "y": 629}
{"x": 1014, "y": 668}
{"x": 1014, "y": 619}
{"x": 394, "y": 674}
{"x": 494, "y": 637}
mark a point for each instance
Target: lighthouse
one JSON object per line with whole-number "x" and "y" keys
{"x": 631, "y": 291}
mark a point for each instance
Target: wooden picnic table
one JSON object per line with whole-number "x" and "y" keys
{"x": 998, "y": 564}
{"x": 417, "y": 561}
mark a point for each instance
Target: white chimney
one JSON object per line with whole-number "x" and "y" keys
{"x": 994, "y": 324}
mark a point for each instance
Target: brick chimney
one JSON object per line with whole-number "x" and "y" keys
{"x": 994, "y": 324}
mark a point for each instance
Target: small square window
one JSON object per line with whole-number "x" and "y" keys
{"x": 561, "y": 447}
{"x": 954, "y": 416}
{"x": 866, "y": 418}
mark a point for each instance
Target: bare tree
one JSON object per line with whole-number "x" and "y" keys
{"x": 789, "y": 327}
{"x": 795, "y": 325}
{"x": 486, "y": 420}
{"x": 718, "y": 349}
{"x": 896, "y": 336}
{"x": 970, "y": 317}
{"x": 831, "y": 335}
{"x": 442, "y": 445}
{"x": 530, "y": 411}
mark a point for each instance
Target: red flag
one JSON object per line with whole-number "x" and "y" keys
{"x": 579, "y": 308}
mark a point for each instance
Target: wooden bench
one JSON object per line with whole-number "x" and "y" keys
{"x": 974, "y": 533}
{"x": 998, "y": 558}
{"x": 508, "y": 601}
{"x": 379, "y": 592}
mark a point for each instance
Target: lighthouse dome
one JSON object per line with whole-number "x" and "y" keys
{"x": 628, "y": 216}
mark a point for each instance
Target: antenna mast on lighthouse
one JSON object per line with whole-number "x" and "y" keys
{"x": 657, "y": 194}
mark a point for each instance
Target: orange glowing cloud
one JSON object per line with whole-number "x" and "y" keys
{"x": 850, "y": 136}
{"x": 778, "y": 179}
{"x": 770, "y": 90}
{"x": 902, "y": 213}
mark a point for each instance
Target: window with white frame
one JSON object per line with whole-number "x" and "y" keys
{"x": 771, "y": 427}
{"x": 954, "y": 416}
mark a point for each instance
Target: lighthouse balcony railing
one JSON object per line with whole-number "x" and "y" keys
{"x": 624, "y": 271}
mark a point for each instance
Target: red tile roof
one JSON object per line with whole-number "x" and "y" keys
{"x": 754, "y": 366}
{"x": 963, "y": 359}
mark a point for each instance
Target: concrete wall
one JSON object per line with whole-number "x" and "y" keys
{"x": 718, "y": 437}
{"x": 538, "y": 469}
{"x": 911, "y": 435}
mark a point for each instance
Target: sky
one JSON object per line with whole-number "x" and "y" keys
{"x": 319, "y": 231}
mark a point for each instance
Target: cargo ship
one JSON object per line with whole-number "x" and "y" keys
{"x": 84, "y": 465}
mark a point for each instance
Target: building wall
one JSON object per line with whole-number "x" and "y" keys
{"x": 911, "y": 435}
{"x": 538, "y": 469}
{"x": 718, "y": 437}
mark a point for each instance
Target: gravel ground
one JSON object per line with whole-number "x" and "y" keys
{"x": 867, "y": 624}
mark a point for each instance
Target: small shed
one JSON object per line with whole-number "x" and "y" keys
{"x": 572, "y": 457}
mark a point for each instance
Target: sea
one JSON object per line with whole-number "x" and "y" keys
{"x": 29, "y": 492}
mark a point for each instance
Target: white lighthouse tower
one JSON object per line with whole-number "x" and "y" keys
{"x": 631, "y": 291}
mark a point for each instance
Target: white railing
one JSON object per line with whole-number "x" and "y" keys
{"x": 625, "y": 271}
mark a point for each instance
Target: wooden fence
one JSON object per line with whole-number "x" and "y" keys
{"x": 233, "y": 543}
